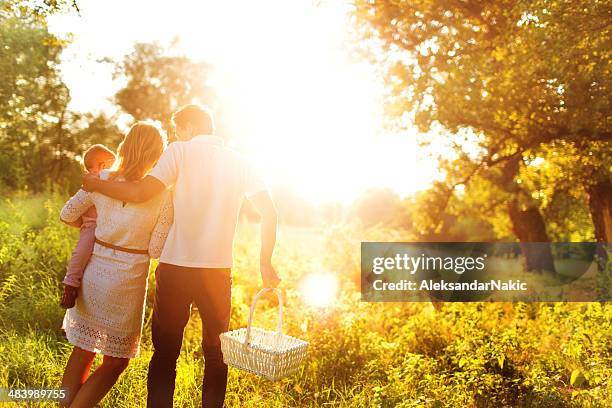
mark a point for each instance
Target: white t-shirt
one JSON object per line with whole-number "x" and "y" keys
{"x": 210, "y": 182}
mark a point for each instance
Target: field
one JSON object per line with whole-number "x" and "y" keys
{"x": 361, "y": 354}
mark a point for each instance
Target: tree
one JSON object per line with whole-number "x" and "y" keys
{"x": 33, "y": 101}
{"x": 379, "y": 206}
{"x": 158, "y": 83}
{"x": 522, "y": 72}
{"x": 36, "y": 9}
{"x": 519, "y": 74}
{"x": 39, "y": 137}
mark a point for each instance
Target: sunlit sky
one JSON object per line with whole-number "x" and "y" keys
{"x": 306, "y": 112}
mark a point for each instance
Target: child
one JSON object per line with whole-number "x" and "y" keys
{"x": 95, "y": 159}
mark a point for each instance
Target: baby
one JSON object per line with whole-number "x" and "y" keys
{"x": 95, "y": 159}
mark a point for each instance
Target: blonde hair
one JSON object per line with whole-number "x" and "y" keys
{"x": 139, "y": 151}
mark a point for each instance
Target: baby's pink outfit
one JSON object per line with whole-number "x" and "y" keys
{"x": 83, "y": 249}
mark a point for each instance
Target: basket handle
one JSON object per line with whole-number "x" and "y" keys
{"x": 279, "y": 326}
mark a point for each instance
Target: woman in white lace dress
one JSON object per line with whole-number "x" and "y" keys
{"x": 108, "y": 315}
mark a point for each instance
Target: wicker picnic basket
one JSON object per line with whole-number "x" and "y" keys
{"x": 270, "y": 354}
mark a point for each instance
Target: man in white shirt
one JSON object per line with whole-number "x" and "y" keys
{"x": 209, "y": 183}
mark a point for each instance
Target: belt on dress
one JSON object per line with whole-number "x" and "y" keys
{"x": 118, "y": 248}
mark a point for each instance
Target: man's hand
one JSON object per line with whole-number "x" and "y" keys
{"x": 268, "y": 275}
{"x": 126, "y": 191}
{"x": 90, "y": 181}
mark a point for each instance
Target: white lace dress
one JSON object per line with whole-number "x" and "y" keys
{"x": 108, "y": 315}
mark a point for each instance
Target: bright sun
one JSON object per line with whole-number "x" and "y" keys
{"x": 319, "y": 289}
{"x": 306, "y": 111}
{"x": 296, "y": 100}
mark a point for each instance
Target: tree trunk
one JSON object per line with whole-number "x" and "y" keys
{"x": 528, "y": 226}
{"x": 600, "y": 205}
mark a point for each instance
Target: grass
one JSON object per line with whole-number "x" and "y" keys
{"x": 361, "y": 354}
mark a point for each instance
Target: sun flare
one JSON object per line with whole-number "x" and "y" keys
{"x": 306, "y": 111}
{"x": 292, "y": 93}
{"x": 319, "y": 289}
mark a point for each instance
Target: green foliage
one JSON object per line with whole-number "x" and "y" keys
{"x": 361, "y": 354}
{"x": 511, "y": 80}
{"x": 32, "y": 261}
{"x": 558, "y": 176}
{"x": 39, "y": 137}
{"x": 32, "y": 99}
{"x": 521, "y": 72}
{"x": 37, "y": 9}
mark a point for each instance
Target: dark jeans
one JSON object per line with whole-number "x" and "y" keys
{"x": 177, "y": 287}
